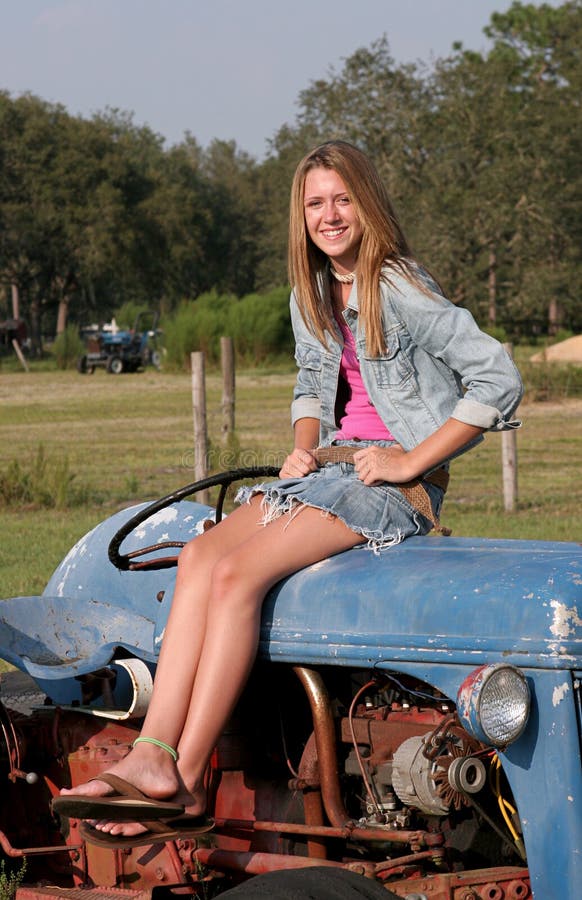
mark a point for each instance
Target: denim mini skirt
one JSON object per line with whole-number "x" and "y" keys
{"x": 380, "y": 513}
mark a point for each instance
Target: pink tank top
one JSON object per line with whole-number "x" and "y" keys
{"x": 360, "y": 419}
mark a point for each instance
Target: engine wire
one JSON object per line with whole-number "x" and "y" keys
{"x": 290, "y": 765}
{"x": 411, "y": 691}
{"x": 11, "y": 741}
{"x": 505, "y": 806}
{"x": 359, "y": 759}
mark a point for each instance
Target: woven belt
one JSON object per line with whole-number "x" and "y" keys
{"x": 413, "y": 491}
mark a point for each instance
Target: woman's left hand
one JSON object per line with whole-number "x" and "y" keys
{"x": 377, "y": 464}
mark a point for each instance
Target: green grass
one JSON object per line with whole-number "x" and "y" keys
{"x": 129, "y": 438}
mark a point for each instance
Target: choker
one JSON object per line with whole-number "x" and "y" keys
{"x": 344, "y": 279}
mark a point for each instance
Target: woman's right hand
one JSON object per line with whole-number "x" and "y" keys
{"x": 299, "y": 463}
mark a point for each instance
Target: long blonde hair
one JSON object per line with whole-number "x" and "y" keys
{"x": 383, "y": 242}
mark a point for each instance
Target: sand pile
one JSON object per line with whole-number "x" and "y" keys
{"x": 569, "y": 351}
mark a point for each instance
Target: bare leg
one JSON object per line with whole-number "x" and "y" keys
{"x": 240, "y": 581}
{"x": 183, "y": 641}
{"x": 229, "y": 570}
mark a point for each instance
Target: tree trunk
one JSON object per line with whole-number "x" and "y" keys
{"x": 62, "y": 314}
{"x": 554, "y": 316}
{"x": 15, "y": 302}
{"x": 35, "y": 327}
{"x": 492, "y": 285}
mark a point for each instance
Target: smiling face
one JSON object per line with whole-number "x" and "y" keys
{"x": 330, "y": 218}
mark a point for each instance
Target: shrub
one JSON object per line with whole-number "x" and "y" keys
{"x": 42, "y": 482}
{"x": 11, "y": 881}
{"x": 127, "y": 313}
{"x": 498, "y": 332}
{"x": 561, "y": 335}
{"x": 68, "y": 347}
{"x": 551, "y": 381}
{"x": 260, "y": 326}
{"x": 258, "y": 323}
{"x": 196, "y": 325}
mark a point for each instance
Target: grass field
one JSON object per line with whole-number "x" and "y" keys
{"x": 121, "y": 439}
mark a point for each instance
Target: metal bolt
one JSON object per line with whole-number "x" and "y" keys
{"x": 516, "y": 890}
{"x": 492, "y": 892}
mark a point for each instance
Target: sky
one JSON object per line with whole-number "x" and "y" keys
{"x": 226, "y": 69}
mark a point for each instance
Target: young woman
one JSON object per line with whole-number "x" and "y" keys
{"x": 393, "y": 382}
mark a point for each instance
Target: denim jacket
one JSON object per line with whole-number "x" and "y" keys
{"x": 437, "y": 364}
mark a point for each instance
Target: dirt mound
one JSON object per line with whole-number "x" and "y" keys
{"x": 569, "y": 351}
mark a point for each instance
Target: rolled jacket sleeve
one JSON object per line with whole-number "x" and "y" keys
{"x": 491, "y": 382}
{"x": 305, "y": 408}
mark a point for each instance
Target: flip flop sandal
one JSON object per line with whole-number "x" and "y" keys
{"x": 126, "y": 804}
{"x": 159, "y": 831}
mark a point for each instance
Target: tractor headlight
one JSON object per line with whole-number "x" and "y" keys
{"x": 493, "y": 704}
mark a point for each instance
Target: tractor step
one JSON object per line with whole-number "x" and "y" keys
{"x": 50, "y": 892}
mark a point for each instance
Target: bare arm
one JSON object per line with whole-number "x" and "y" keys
{"x": 300, "y": 461}
{"x": 374, "y": 464}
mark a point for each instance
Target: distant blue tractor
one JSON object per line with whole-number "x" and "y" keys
{"x": 123, "y": 351}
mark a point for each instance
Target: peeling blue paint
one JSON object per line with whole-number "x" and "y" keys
{"x": 431, "y": 607}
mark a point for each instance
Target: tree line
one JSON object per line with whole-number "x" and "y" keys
{"x": 480, "y": 152}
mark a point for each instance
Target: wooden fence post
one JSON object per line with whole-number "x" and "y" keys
{"x": 20, "y": 354}
{"x": 509, "y": 461}
{"x": 15, "y": 302}
{"x": 228, "y": 388}
{"x": 200, "y": 430}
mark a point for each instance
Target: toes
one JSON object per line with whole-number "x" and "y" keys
{"x": 127, "y": 829}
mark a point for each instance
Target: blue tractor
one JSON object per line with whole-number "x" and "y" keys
{"x": 123, "y": 351}
{"x": 414, "y": 717}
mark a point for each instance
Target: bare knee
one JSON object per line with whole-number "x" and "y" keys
{"x": 196, "y": 554}
{"x": 195, "y": 564}
{"x": 226, "y": 576}
{"x": 232, "y": 585}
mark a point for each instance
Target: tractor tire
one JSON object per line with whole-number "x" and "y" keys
{"x": 115, "y": 365}
{"x": 83, "y": 367}
{"x": 325, "y": 883}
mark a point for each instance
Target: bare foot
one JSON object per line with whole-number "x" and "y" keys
{"x": 147, "y": 767}
{"x": 194, "y": 805}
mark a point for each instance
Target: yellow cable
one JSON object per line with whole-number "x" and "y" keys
{"x": 504, "y": 805}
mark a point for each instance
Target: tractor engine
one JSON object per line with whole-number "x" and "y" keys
{"x": 380, "y": 777}
{"x": 323, "y": 766}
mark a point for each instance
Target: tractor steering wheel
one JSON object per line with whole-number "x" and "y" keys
{"x": 124, "y": 561}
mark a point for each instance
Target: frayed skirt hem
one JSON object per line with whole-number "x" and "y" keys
{"x": 277, "y": 503}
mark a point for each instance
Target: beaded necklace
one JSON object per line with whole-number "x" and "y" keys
{"x": 343, "y": 279}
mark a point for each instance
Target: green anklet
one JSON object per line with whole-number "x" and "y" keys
{"x": 166, "y": 747}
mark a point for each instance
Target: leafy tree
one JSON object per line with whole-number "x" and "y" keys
{"x": 71, "y": 206}
{"x": 543, "y": 43}
{"x": 231, "y": 248}
{"x": 274, "y": 186}
{"x": 179, "y": 207}
{"x": 481, "y": 156}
